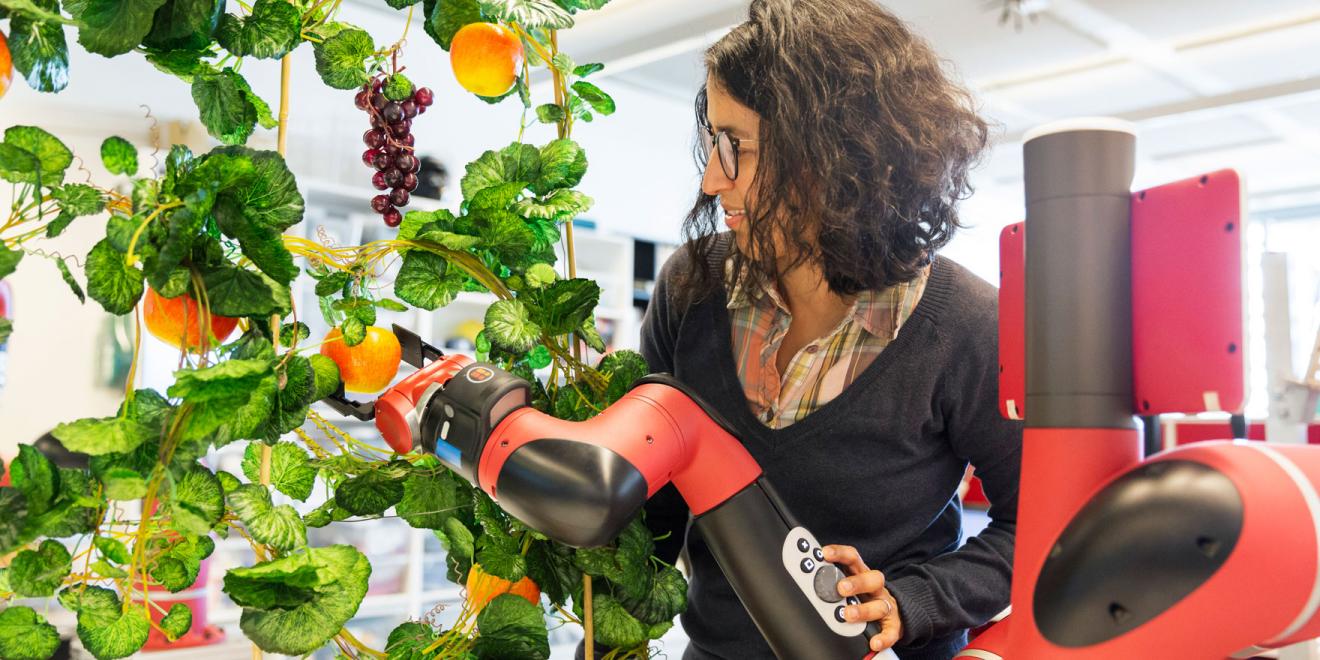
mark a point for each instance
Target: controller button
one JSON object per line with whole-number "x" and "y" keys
{"x": 820, "y": 556}
{"x": 852, "y": 600}
{"x": 838, "y": 614}
{"x": 803, "y": 545}
{"x": 808, "y": 565}
{"x": 826, "y": 583}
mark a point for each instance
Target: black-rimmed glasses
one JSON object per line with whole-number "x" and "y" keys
{"x": 726, "y": 146}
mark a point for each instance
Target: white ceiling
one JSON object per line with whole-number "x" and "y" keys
{"x": 1211, "y": 83}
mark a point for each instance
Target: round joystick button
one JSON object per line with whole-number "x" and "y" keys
{"x": 838, "y": 614}
{"x": 826, "y": 583}
{"x": 820, "y": 556}
{"x": 803, "y": 545}
{"x": 808, "y": 565}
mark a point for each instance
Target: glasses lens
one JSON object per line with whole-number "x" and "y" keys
{"x": 707, "y": 143}
{"x": 728, "y": 155}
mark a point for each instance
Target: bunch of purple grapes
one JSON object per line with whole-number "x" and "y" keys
{"x": 390, "y": 146}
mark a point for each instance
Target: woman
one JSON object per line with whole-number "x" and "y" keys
{"x": 857, "y": 366}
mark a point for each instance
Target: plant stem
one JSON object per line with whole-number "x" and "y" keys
{"x": 132, "y": 243}
{"x": 587, "y": 623}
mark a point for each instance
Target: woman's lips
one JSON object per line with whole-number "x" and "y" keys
{"x": 733, "y": 220}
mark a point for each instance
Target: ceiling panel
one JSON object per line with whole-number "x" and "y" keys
{"x": 968, "y": 33}
{"x": 1176, "y": 19}
{"x": 678, "y": 76}
{"x": 1103, "y": 90}
{"x": 1307, "y": 112}
{"x": 1167, "y": 140}
{"x": 1261, "y": 59}
{"x": 1273, "y": 166}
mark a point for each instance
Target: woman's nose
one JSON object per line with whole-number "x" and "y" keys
{"x": 714, "y": 181}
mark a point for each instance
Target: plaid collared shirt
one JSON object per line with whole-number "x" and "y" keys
{"x": 823, "y": 368}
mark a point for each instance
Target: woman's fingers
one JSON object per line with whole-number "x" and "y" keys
{"x": 847, "y": 556}
{"x": 868, "y": 583}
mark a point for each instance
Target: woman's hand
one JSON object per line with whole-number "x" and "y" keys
{"x": 868, "y": 585}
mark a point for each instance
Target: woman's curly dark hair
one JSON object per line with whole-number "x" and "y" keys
{"x": 865, "y": 146}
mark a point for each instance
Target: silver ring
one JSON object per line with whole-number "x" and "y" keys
{"x": 889, "y": 608}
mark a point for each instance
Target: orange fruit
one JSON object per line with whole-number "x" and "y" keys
{"x": 486, "y": 58}
{"x": 482, "y": 587}
{"x": 6, "y": 65}
{"x": 165, "y": 318}
{"x": 369, "y": 366}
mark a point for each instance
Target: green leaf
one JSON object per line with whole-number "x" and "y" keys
{"x": 6, "y": 329}
{"x": 563, "y": 63}
{"x": 564, "y": 305}
{"x": 25, "y": 635}
{"x": 290, "y": 470}
{"x": 529, "y": 14}
{"x": 458, "y": 540}
{"x": 325, "y": 514}
{"x": 409, "y": 640}
{"x": 79, "y": 199}
{"x": 184, "y": 25}
{"x": 353, "y": 330}
{"x": 112, "y": 282}
{"x": 550, "y": 565}
{"x": 397, "y": 87}
{"x": 112, "y": 549}
{"x": 294, "y": 333}
{"x": 593, "y": 95}
{"x": 177, "y": 564}
{"x": 39, "y": 51}
{"x": 540, "y": 275}
{"x": 177, "y": 622}
{"x": 342, "y": 574}
{"x": 562, "y": 205}
{"x": 277, "y": 526}
{"x": 59, "y": 224}
{"x": 224, "y": 106}
{"x": 182, "y": 64}
{"x": 509, "y": 326}
{"x": 124, "y": 484}
{"x": 614, "y": 625}
{"x": 102, "y": 436}
{"x": 197, "y": 503}
{"x": 446, "y": 17}
{"x": 284, "y": 583}
{"x": 425, "y": 281}
{"x": 563, "y": 163}
{"x": 448, "y": 239}
{"x": 18, "y": 165}
{"x": 235, "y": 291}
{"x": 369, "y": 494}
{"x": 119, "y": 156}
{"x": 498, "y": 555}
{"x": 587, "y": 69}
{"x": 327, "y": 376}
{"x": 113, "y": 633}
{"x": 591, "y": 335}
{"x": 511, "y": 627}
{"x": 36, "y": 477}
{"x": 666, "y": 600}
{"x": 391, "y": 304}
{"x": 51, "y": 154}
{"x": 38, "y": 573}
{"x": 622, "y": 368}
{"x": 334, "y": 282}
{"x": 269, "y": 198}
{"x": 105, "y": 569}
{"x": 516, "y": 162}
{"x": 9, "y": 261}
{"x": 221, "y": 381}
{"x": 508, "y": 235}
{"x": 114, "y": 27}
{"x": 361, "y": 309}
{"x": 429, "y": 499}
{"x": 339, "y": 59}
{"x": 497, "y": 196}
{"x": 550, "y": 113}
{"x": 272, "y": 31}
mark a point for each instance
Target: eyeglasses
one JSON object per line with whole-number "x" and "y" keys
{"x": 727, "y": 147}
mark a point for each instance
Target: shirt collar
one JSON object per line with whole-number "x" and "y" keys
{"x": 876, "y": 311}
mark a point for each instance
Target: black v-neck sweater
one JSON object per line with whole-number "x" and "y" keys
{"x": 877, "y": 468}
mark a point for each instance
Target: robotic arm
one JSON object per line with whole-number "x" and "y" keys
{"x": 582, "y": 482}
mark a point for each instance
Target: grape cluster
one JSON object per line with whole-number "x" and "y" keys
{"x": 390, "y": 146}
